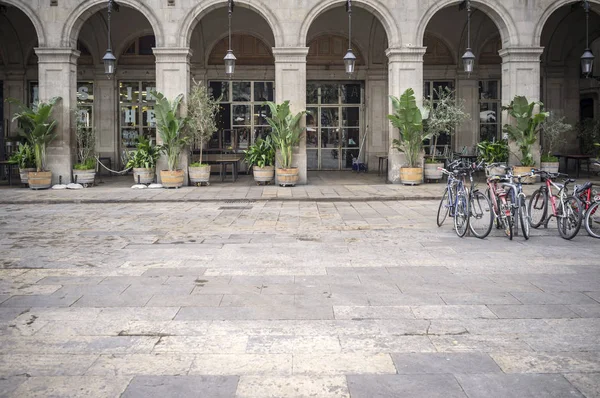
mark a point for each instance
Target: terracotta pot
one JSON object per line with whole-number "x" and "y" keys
{"x": 519, "y": 170}
{"x": 146, "y": 176}
{"x": 287, "y": 177}
{"x": 263, "y": 174}
{"x": 40, "y": 179}
{"x": 199, "y": 175}
{"x": 172, "y": 179}
{"x": 84, "y": 177}
{"x": 411, "y": 175}
{"x": 24, "y": 174}
{"x": 432, "y": 172}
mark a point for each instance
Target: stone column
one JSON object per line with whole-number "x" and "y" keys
{"x": 58, "y": 78}
{"x": 173, "y": 78}
{"x": 405, "y": 68}
{"x": 290, "y": 84}
{"x": 521, "y": 76}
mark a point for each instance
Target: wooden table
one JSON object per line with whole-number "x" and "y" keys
{"x": 577, "y": 158}
{"x": 223, "y": 161}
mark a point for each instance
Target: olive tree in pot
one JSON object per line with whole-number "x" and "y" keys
{"x": 446, "y": 112}
{"x": 38, "y": 128}
{"x": 171, "y": 128}
{"x": 143, "y": 161}
{"x": 84, "y": 172}
{"x": 24, "y": 158}
{"x": 286, "y": 134}
{"x": 261, "y": 157}
{"x": 524, "y": 131}
{"x": 552, "y": 130}
{"x": 408, "y": 119}
{"x": 201, "y": 111}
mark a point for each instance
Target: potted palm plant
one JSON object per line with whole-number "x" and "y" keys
{"x": 84, "y": 172}
{"x": 143, "y": 161}
{"x": 286, "y": 132}
{"x": 171, "y": 128}
{"x": 408, "y": 119}
{"x": 201, "y": 112}
{"x": 38, "y": 128}
{"x": 552, "y": 129}
{"x": 261, "y": 157}
{"x": 446, "y": 112}
{"x": 24, "y": 158}
{"x": 524, "y": 132}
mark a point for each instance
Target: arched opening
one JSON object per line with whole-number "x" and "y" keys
{"x": 445, "y": 38}
{"x": 18, "y": 72}
{"x": 241, "y": 119}
{"x": 343, "y": 112}
{"x": 565, "y": 91}
{"x": 120, "y": 109}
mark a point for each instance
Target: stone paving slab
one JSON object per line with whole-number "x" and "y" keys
{"x": 181, "y": 386}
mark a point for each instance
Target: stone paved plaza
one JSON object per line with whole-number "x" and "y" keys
{"x": 289, "y": 299}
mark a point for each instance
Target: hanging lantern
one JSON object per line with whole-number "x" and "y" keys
{"x": 468, "y": 58}
{"x": 110, "y": 62}
{"x": 229, "y": 58}
{"x": 349, "y": 58}
{"x": 587, "y": 59}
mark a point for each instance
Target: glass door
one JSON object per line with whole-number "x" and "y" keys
{"x": 333, "y": 124}
{"x": 136, "y": 113}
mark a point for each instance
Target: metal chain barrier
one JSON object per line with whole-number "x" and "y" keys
{"x": 112, "y": 171}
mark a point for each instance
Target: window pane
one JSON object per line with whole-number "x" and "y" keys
{"x": 311, "y": 117}
{"x": 347, "y": 156}
{"x": 312, "y": 93}
{"x": 261, "y": 112}
{"x": 312, "y": 159}
{"x": 330, "y": 117}
{"x": 224, "y": 117}
{"x": 330, "y": 159}
{"x": 426, "y": 89}
{"x": 147, "y": 89}
{"x": 351, "y": 93}
{"x": 330, "y": 94}
{"x": 84, "y": 115}
{"x": 85, "y": 92}
{"x": 263, "y": 91}
{"x": 261, "y": 132}
{"x": 241, "y": 115}
{"x": 437, "y": 86}
{"x": 351, "y": 117}
{"x": 148, "y": 116}
{"x": 488, "y": 89}
{"x": 351, "y": 138}
{"x": 129, "y": 137}
{"x": 241, "y": 91}
{"x": 129, "y": 91}
{"x": 488, "y": 112}
{"x": 312, "y": 137}
{"x": 129, "y": 116}
{"x": 488, "y": 132}
{"x": 146, "y": 45}
{"x": 243, "y": 137}
{"x": 330, "y": 138}
{"x": 218, "y": 89}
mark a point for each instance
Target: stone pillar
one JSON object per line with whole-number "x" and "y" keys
{"x": 521, "y": 76}
{"x": 173, "y": 78}
{"x": 15, "y": 86}
{"x": 290, "y": 84}
{"x": 58, "y": 78}
{"x": 405, "y": 68}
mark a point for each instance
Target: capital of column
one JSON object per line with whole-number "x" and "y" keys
{"x": 521, "y": 54}
{"x": 172, "y": 54}
{"x": 56, "y": 55}
{"x": 405, "y": 54}
{"x": 290, "y": 54}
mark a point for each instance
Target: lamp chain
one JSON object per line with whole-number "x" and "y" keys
{"x": 587, "y": 22}
{"x": 110, "y": 3}
{"x": 230, "y": 15}
{"x": 350, "y": 24}
{"x": 468, "y": 23}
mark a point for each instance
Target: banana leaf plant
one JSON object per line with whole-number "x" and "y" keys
{"x": 145, "y": 155}
{"x": 526, "y": 128}
{"x": 24, "y": 156}
{"x": 171, "y": 128}
{"x": 261, "y": 153}
{"x": 408, "y": 119}
{"x": 286, "y": 131}
{"x": 37, "y": 127}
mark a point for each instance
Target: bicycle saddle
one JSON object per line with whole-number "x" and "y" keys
{"x": 569, "y": 180}
{"x": 584, "y": 187}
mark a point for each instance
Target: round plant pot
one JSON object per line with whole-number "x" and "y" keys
{"x": 432, "y": 172}
{"x": 40, "y": 179}
{"x": 171, "y": 179}
{"x": 24, "y": 174}
{"x": 287, "y": 177}
{"x": 199, "y": 175}
{"x": 146, "y": 176}
{"x": 263, "y": 174}
{"x": 84, "y": 177}
{"x": 411, "y": 175}
{"x": 550, "y": 167}
{"x": 495, "y": 171}
{"x": 519, "y": 170}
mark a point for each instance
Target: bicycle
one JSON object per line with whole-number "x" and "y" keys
{"x": 499, "y": 199}
{"x": 567, "y": 209}
{"x": 517, "y": 199}
{"x": 455, "y": 200}
{"x": 480, "y": 208}
{"x": 591, "y": 219}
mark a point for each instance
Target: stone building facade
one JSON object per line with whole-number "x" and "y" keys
{"x": 292, "y": 50}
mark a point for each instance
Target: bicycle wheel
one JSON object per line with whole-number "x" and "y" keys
{"x": 537, "y": 207}
{"x": 495, "y": 208}
{"x": 592, "y": 220}
{"x": 461, "y": 214}
{"x": 569, "y": 217}
{"x": 443, "y": 208}
{"x": 524, "y": 218}
{"x": 481, "y": 215}
{"x": 506, "y": 218}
